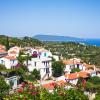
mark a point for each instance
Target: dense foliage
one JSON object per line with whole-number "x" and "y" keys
{"x": 4, "y": 87}
{"x": 57, "y": 68}
{"x": 88, "y": 53}
{"x": 93, "y": 84}
{"x": 97, "y": 96}
{"x": 75, "y": 70}
{"x": 26, "y": 41}
{"x": 36, "y": 74}
{"x": 30, "y": 92}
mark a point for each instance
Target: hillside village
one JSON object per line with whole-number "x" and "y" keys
{"x": 41, "y": 60}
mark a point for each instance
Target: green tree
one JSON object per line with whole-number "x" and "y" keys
{"x": 2, "y": 67}
{"x": 4, "y": 87}
{"x": 75, "y": 70}
{"x": 57, "y": 68}
{"x": 7, "y": 43}
{"x": 36, "y": 74}
{"x": 97, "y": 96}
{"x": 93, "y": 84}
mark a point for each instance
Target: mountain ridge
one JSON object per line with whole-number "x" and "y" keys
{"x": 56, "y": 38}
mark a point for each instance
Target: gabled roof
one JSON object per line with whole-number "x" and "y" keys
{"x": 88, "y": 65}
{"x": 61, "y": 82}
{"x": 10, "y": 57}
{"x": 52, "y": 85}
{"x": 82, "y": 74}
{"x": 2, "y": 51}
{"x": 71, "y": 62}
{"x": 71, "y": 76}
{"x": 49, "y": 86}
{"x": 2, "y": 46}
{"x": 13, "y": 52}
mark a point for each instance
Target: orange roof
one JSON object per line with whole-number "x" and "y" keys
{"x": 88, "y": 65}
{"x": 13, "y": 52}
{"x": 10, "y": 57}
{"x": 71, "y": 76}
{"x": 49, "y": 86}
{"x": 61, "y": 83}
{"x": 71, "y": 62}
{"x": 82, "y": 74}
{"x": 2, "y": 46}
{"x": 43, "y": 50}
{"x": 3, "y": 51}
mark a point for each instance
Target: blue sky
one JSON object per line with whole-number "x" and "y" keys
{"x": 78, "y": 18}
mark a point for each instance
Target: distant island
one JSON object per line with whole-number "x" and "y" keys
{"x": 55, "y": 38}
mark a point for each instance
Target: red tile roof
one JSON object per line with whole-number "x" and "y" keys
{"x": 61, "y": 83}
{"x": 3, "y": 51}
{"x": 71, "y": 76}
{"x": 49, "y": 86}
{"x": 83, "y": 74}
{"x": 71, "y": 61}
{"x": 2, "y": 46}
{"x": 10, "y": 57}
{"x": 88, "y": 65}
{"x": 76, "y": 75}
{"x": 13, "y": 52}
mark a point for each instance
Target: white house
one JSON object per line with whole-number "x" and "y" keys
{"x": 3, "y": 53}
{"x": 73, "y": 63}
{"x": 42, "y": 64}
{"x": 9, "y": 61}
{"x": 73, "y": 77}
{"x": 14, "y": 51}
{"x": 41, "y": 52}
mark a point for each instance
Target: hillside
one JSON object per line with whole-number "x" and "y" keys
{"x": 88, "y": 53}
{"x": 25, "y": 41}
{"x": 56, "y": 38}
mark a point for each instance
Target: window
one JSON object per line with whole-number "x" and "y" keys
{"x": 44, "y": 54}
{"x": 44, "y": 62}
{"x": 34, "y": 63}
{"x": 47, "y": 70}
{"x": 13, "y": 61}
{"x": 2, "y": 62}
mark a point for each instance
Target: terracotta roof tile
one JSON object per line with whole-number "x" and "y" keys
{"x": 3, "y": 51}
{"x": 2, "y": 46}
{"x": 10, "y": 57}
{"x": 13, "y": 52}
{"x": 49, "y": 86}
{"x": 83, "y": 74}
{"x": 88, "y": 65}
{"x": 61, "y": 83}
{"x": 76, "y": 75}
{"x": 71, "y": 76}
{"x": 71, "y": 62}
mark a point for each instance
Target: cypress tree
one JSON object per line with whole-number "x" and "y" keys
{"x": 7, "y": 43}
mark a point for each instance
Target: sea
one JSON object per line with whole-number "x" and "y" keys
{"x": 94, "y": 42}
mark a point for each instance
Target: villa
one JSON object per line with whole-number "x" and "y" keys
{"x": 9, "y": 61}
{"x": 73, "y": 63}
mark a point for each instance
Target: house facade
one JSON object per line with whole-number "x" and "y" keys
{"x": 9, "y": 61}
{"x": 73, "y": 63}
{"x": 43, "y": 65}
